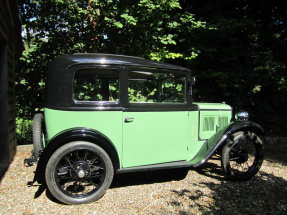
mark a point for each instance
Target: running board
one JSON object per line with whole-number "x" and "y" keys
{"x": 169, "y": 165}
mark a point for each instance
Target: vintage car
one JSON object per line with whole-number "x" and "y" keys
{"x": 108, "y": 114}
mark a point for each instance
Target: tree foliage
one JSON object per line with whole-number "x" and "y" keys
{"x": 156, "y": 29}
{"x": 236, "y": 48}
{"x": 243, "y": 57}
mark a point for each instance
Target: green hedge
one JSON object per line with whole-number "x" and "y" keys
{"x": 24, "y": 131}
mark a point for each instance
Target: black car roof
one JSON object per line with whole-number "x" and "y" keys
{"x": 111, "y": 59}
{"x": 59, "y": 84}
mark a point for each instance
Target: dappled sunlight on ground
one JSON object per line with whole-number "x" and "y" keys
{"x": 200, "y": 191}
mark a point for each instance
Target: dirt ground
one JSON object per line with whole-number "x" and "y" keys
{"x": 198, "y": 191}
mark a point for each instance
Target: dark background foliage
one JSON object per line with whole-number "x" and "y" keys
{"x": 244, "y": 58}
{"x": 236, "y": 48}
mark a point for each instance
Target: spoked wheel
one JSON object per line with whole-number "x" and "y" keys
{"x": 242, "y": 157}
{"x": 79, "y": 172}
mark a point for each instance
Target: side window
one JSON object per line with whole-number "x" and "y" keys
{"x": 96, "y": 85}
{"x": 156, "y": 87}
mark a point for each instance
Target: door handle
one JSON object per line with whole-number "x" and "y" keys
{"x": 129, "y": 119}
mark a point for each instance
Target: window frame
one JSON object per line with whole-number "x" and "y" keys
{"x": 158, "y": 102}
{"x": 98, "y": 104}
{"x": 142, "y": 106}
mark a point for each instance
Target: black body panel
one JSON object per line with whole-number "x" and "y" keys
{"x": 59, "y": 87}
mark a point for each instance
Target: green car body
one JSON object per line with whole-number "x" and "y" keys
{"x": 153, "y": 137}
{"x": 140, "y": 112}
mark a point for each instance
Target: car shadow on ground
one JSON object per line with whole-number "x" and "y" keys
{"x": 42, "y": 188}
{"x": 126, "y": 179}
{"x": 211, "y": 169}
{"x": 263, "y": 194}
{"x": 148, "y": 177}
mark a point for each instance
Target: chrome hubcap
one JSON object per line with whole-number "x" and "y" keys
{"x": 81, "y": 174}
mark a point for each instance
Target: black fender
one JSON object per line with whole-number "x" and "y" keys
{"x": 214, "y": 143}
{"x": 75, "y": 134}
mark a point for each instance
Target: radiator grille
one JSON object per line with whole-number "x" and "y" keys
{"x": 222, "y": 121}
{"x": 208, "y": 123}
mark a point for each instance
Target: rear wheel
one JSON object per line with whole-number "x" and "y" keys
{"x": 79, "y": 172}
{"x": 242, "y": 155}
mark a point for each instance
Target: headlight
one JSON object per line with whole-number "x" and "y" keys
{"x": 242, "y": 116}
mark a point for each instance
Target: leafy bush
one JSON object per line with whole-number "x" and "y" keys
{"x": 24, "y": 131}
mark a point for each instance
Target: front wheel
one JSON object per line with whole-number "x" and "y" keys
{"x": 242, "y": 155}
{"x": 79, "y": 172}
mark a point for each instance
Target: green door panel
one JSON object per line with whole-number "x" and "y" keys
{"x": 154, "y": 137}
{"x": 107, "y": 122}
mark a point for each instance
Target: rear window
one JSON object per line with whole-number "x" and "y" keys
{"x": 97, "y": 85}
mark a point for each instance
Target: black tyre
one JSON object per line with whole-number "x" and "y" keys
{"x": 79, "y": 172}
{"x": 38, "y": 134}
{"x": 242, "y": 156}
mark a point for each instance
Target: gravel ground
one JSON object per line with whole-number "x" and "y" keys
{"x": 200, "y": 191}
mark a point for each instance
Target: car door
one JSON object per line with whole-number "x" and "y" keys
{"x": 155, "y": 118}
